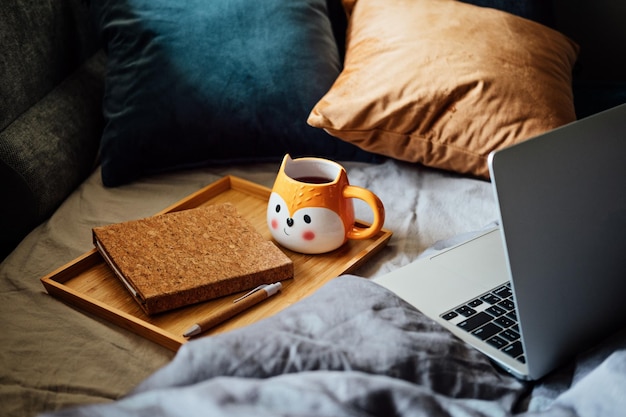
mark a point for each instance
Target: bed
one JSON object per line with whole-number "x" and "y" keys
{"x": 351, "y": 348}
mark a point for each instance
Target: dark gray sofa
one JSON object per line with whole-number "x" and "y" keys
{"x": 51, "y": 87}
{"x": 50, "y": 109}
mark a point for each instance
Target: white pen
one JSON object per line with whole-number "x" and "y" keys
{"x": 242, "y": 303}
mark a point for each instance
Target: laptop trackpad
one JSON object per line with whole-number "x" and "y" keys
{"x": 481, "y": 259}
{"x": 447, "y": 279}
{"x": 475, "y": 266}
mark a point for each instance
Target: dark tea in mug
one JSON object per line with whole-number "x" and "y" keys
{"x": 313, "y": 180}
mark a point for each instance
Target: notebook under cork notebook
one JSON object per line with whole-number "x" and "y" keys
{"x": 185, "y": 257}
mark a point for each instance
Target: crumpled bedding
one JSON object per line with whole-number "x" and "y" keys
{"x": 351, "y": 349}
{"x": 367, "y": 355}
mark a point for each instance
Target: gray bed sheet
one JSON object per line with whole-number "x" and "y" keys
{"x": 331, "y": 354}
{"x": 351, "y": 349}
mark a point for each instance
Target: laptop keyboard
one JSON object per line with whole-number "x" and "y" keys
{"x": 492, "y": 318}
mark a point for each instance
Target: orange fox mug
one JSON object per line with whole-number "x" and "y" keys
{"x": 310, "y": 209}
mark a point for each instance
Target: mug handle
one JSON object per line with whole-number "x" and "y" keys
{"x": 372, "y": 200}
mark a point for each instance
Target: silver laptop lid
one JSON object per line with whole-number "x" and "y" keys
{"x": 562, "y": 201}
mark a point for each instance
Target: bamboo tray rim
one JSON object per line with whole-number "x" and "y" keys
{"x": 57, "y": 283}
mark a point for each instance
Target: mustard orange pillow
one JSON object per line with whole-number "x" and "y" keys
{"x": 444, "y": 83}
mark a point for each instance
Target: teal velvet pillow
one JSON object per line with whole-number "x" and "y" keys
{"x": 213, "y": 81}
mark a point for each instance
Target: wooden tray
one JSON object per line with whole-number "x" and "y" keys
{"x": 89, "y": 284}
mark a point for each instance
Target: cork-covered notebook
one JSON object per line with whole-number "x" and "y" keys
{"x": 185, "y": 257}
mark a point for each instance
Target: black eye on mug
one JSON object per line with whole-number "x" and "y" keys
{"x": 277, "y": 208}
{"x": 307, "y": 219}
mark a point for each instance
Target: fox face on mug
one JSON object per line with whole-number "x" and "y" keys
{"x": 310, "y": 209}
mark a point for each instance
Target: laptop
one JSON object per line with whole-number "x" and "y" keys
{"x": 550, "y": 279}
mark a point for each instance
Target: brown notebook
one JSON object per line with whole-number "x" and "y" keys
{"x": 185, "y": 257}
